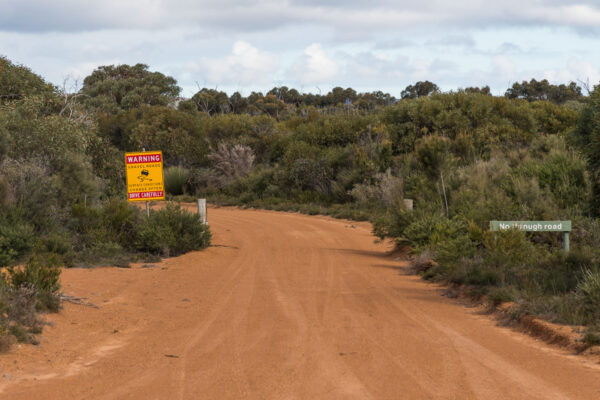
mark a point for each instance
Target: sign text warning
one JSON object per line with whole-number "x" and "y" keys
{"x": 144, "y": 173}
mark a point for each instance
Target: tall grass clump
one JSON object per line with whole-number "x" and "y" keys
{"x": 176, "y": 180}
{"x": 588, "y": 294}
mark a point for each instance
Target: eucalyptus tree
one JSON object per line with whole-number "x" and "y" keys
{"x": 111, "y": 88}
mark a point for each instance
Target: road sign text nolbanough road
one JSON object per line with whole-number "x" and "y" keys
{"x": 144, "y": 171}
{"x": 532, "y": 226}
{"x": 536, "y": 226}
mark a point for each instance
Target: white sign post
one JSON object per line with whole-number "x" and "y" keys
{"x": 202, "y": 210}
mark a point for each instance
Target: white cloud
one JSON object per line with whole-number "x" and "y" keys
{"x": 255, "y": 44}
{"x": 504, "y": 67}
{"x": 315, "y": 66}
{"x": 245, "y": 65}
{"x": 354, "y": 18}
{"x": 575, "y": 70}
{"x": 580, "y": 15}
{"x": 79, "y": 71}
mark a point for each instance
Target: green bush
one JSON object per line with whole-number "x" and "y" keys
{"x": 171, "y": 232}
{"x": 510, "y": 254}
{"x": 42, "y": 276}
{"x": 23, "y": 292}
{"x": 557, "y": 274}
{"x": 104, "y": 234}
{"x": 122, "y": 220}
{"x": 114, "y": 233}
{"x": 86, "y": 226}
{"x": 497, "y": 296}
{"x": 15, "y": 242}
{"x": 21, "y": 306}
{"x": 59, "y": 243}
{"x": 421, "y": 229}
{"x": 385, "y": 191}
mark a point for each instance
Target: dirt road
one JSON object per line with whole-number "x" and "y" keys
{"x": 284, "y": 306}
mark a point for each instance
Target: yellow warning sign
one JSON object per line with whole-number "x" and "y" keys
{"x": 145, "y": 180}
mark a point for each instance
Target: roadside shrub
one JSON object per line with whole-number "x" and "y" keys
{"x": 499, "y": 295}
{"x": 421, "y": 229}
{"x": 16, "y": 240}
{"x": 176, "y": 179}
{"x": 479, "y": 274}
{"x": 6, "y": 340}
{"x": 155, "y": 239}
{"x": 22, "y": 306}
{"x": 510, "y": 254}
{"x": 86, "y": 225}
{"x": 122, "y": 220}
{"x": 20, "y": 333}
{"x": 392, "y": 223}
{"x": 422, "y": 262}
{"x": 43, "y": 277}
{"x": 556, "y": 274}
{"x": 450, "y": 241}
{"x": 386, "y": 191}
{"x": 114, "y": 225}
{"x": 588, "y": 293}
{"x": 59, "y": 243}
{"x": 172, "y": 231}
{"x": 19, "y": 304}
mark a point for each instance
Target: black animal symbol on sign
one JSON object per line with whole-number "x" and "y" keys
{"x": 144, "y": 176}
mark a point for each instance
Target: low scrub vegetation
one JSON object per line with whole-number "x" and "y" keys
{"x": 118, "y": 232}
{"x": 546, "y": 179}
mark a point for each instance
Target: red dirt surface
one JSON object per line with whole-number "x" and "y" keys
{"x": 283, "y": 306}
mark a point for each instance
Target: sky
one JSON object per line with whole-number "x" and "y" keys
{"x": 313, "y": 46}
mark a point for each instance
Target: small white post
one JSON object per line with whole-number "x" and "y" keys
{"x": 202, "y": 210}
{"x": 148, "y": 209}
